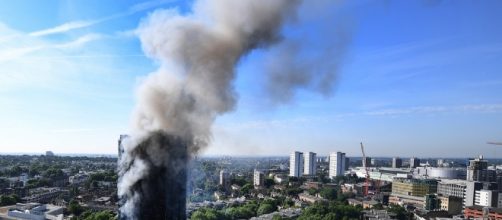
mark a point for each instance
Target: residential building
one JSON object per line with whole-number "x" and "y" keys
{"x": 296, "y": 164}
{"x": 414, "y": 162}
{"x": 336, "y": 164}
{"x": 397, "y": 162}
{"x": 225, "y": 179}
{"x": 310, "y": 163}
{"x": 366, "y": 162}
{"x": 486, "y": 198}
{"x": 477, "y": 193}
{"x": 347, "y": 163}
{"x": 440, "y": 162}
{"x": 374, "y": 162}
{"x": 470, "y": 190}
{"x": 259, "y": 178}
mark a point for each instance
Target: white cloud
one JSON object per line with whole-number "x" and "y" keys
{"x": 64, "y": 28}
{"x": 72, "y": 25}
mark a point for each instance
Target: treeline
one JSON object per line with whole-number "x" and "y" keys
{"x": 245, "y": 211}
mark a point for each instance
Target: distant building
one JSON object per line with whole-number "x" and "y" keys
{"x": 122, "y": 138}
{"x": 477, "y": 170}
{"x": 310, "y": 163}
{"x": 258, "y": 178}
{"x": 440, "y": 172}
{"x": 49, "y": 153}
{"x": 397, "y": 162}
{"x": 414, "y": 162}
{"x": 296, "y": 164}
{"x": 336, "y": 164}
{"x": 347, "y": 163}
{"x": 374, "y": 162}
{"x": 367, "y": 162}
{"x": 440, "y": 162}
{"x": 225, "y": 179}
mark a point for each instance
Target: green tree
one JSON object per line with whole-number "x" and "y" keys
{"x": 246, "y": 188}
{"x": 8, "y": 200}
{"x": 268, "y": 182}
{"x": 75, "y": 208}
{"x": 265, "y": 208}
{"x": 328, "y": 193}
{"x": 400, "y": 212}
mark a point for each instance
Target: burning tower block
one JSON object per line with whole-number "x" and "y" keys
{"x": 160, "y": 193}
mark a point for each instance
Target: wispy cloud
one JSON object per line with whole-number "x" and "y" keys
{"x": 72, "y": 25}
{"x": 480, "y": 108}
{"x": 11, "y": 52}
{"x": 64, "y": 28}
{"x": 385, "y": 112}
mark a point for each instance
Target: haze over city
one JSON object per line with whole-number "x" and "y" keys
{"x": 421, "y": 75}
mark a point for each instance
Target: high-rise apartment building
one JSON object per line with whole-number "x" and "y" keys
{"x": 310, "y": 163}
{"x": 336, "y": 164}
{"x": 225, "y": 179}
{"x": 296, "y": 164}
{"x": 347, "y": 163}
{"x": 367, "y": 162}
{"x": 414, "y": 162}
{"x": 397, "y": 162}
{"x": 258, "y": 178}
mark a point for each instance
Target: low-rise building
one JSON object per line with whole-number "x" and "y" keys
{"x": 451, "y": 204}
{"x": 309, "y": 198}
{"x": 480, "y": 212}
{"x": 35, "y": 211}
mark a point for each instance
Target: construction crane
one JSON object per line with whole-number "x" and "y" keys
{"x": 366, "y": 183}
{"x": 494, "y": 143}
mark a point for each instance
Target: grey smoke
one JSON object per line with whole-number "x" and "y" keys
{"x": 177, "y": 104}
{"x": 311, "y": 61}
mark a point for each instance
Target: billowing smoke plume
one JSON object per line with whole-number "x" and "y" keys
{"x": 177, "y": 104}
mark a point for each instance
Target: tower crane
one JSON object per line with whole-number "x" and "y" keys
{"x": 366, "y": 183}
{"x": 494, "y": 143}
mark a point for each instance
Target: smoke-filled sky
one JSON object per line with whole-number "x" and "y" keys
{"x": 408, "y": 78}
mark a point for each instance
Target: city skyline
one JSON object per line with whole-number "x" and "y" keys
{"x": 429, "y": 82}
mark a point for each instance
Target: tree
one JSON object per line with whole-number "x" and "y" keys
{"x": 265, "y": 208}
{"x": 268, "y": 182}
{"x": 246, "y": 188}
{"x": 398, "y": 210}
{"x": 8, "y": 200}
{"x": 75, "y": 208}
{"x": 328, "y": 193}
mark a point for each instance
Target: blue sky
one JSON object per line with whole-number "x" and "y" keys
{"x": 417, "y": 78}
